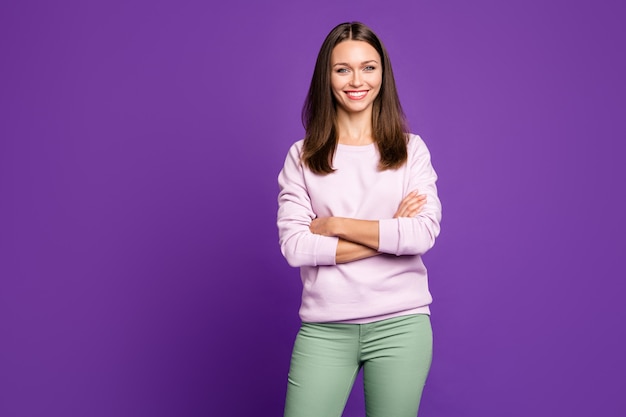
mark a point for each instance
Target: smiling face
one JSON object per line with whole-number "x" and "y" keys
{"x": 356, "y": 75}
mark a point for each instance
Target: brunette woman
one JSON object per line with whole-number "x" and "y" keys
{"x": 358, "y": 208}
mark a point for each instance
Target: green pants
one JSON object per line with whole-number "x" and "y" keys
{"x": 395, "y": 355}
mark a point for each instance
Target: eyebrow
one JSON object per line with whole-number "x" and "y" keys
{"x": 362, "y": 63}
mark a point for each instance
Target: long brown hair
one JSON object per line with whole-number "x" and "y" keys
{"x": 319, "y": 114}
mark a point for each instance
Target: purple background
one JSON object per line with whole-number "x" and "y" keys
{"x": 140, "y": 141}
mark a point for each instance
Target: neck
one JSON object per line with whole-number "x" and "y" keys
{"x": 354, "y": 128}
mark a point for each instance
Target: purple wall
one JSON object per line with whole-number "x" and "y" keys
{"x": 140, "y": 141}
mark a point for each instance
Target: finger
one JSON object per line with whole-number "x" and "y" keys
{"x": 409, "y": 195}
{"x": 414, "y": 209}
{"x": 408, "y": 212}
{"x": 409, "y": 204}
{"x": 404, "y": 205}
{"x": 421, "y": 203}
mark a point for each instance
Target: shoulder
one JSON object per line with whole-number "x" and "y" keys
{"x": 296, "y": 147}
{"x": 292, "y": 160}
{"x": 416, "y": 145}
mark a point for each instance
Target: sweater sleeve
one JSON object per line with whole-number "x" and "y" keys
{"x": 414, "y": 235}
{"x": 298, "y": 245}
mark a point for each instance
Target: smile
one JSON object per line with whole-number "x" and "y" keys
{"x": 356, "y": 95}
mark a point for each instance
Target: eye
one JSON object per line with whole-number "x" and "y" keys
{"x": 369, "y": 68}
{"x": 342, "y": 70}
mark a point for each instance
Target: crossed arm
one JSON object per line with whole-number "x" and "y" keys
{"x": 359, "y": 239}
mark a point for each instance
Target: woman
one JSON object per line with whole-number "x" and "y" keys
{"x": 358, "y": 207}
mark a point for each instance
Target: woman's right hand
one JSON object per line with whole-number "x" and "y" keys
{"x": 410, "y": 205}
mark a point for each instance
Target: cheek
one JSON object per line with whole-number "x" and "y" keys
{"x": 378, "y": 81}
{"x": 335, "y": 84}
{"x": 337, "y": 94}
{"x": 377, "y": 85}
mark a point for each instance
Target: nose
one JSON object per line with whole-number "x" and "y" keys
{"x": 356, "y": 80}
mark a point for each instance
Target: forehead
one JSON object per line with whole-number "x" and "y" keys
{"x": 354, "y": 51}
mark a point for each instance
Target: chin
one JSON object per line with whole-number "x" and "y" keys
{"x": 357, "y": 109}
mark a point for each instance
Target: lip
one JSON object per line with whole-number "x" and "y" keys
{"x": 356, "y": 94}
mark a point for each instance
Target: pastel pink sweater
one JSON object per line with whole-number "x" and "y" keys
{"x": 384, "y": 286}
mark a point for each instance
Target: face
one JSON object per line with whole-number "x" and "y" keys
{"x": 356, "y": 75}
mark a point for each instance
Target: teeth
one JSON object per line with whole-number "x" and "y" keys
{"x": 357, "y": 94}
